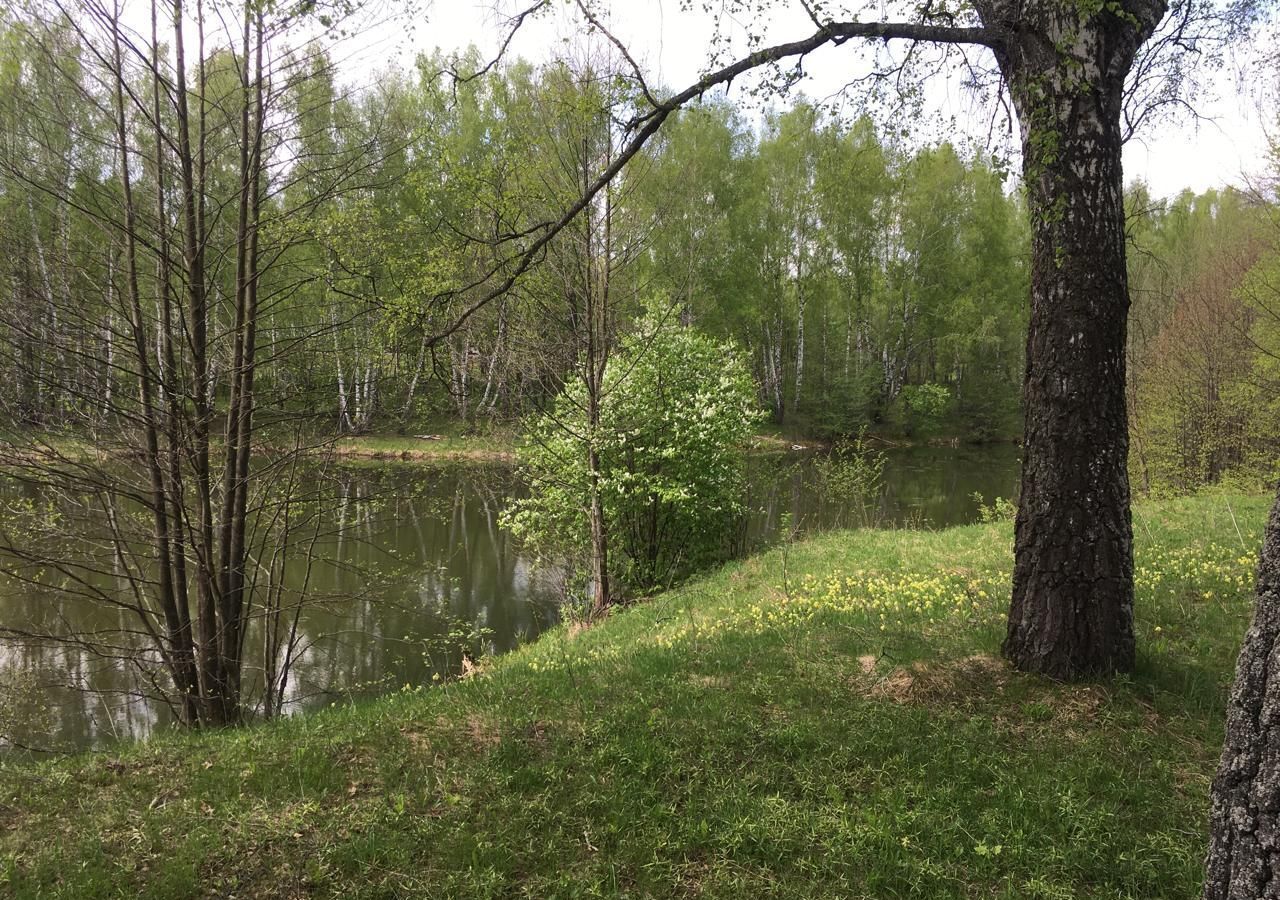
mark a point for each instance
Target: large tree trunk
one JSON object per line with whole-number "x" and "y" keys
{"x": 1244, "y": 822}
{"x": 1072, "y": 610}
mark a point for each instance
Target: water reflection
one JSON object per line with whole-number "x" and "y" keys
{"x": 411, "y": 558}
{"x": 922, "y": 487}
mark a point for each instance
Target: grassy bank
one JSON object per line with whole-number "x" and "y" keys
{"x": 452, "y": 444}
{"x": 826, "y": 721}
{"x": 448, "y": 442}
{"x": 494, "y": 445}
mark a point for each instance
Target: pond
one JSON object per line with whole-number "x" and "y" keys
{"x": 411, "y": 565}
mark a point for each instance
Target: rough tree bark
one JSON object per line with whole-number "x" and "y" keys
{"x": 1244, "y": 820}
{"x": 1071, "y": 614}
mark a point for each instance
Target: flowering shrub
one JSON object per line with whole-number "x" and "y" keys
{"x": 675, "y": 412}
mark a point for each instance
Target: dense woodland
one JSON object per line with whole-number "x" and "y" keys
{"x": 871, "y": 283}
{"x": 1204, "y": 379}
{"x": 216, "y": 246}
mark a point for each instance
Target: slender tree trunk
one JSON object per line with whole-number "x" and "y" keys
{"x": 1244, "y": 820}
{"x": 47, "y": 296}
{"x": 1072, "y": 610}
{"x": 344, "y": 416}
{"x": 848, "y": 342}
{"x": 232, "y": 538}
{"x": 413, "y": 382}
{"x": 462, "y": 379}
{"x": 108, "y": 337}
{"x": 191, "y": 169}
{"x": 597, "y": 261}
{"x": 771, "y": 361}
{"x": 800, "y": 304}
{"x": 236, "y": 597}
{"x": 492, "y": 384}
{"x": 182, "y": 641}
{"x": 173, "y": 646}
{"x": 602, "y": 596}
{"x": 600, "y": 590}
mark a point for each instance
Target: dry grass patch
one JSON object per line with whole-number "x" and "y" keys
{"x": 950, "y": 680}
{"x": 1075, "y": 703}
{"x": 483, "y": 731}
{"x": 711, "y": 682}
{"x": 479, "y": 731}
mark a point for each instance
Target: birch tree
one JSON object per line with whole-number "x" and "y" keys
{"x": 1070, "y": 70}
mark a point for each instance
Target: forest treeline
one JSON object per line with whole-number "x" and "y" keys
{"x": 1204, "y": 337}
{"x": 869, "y": 284}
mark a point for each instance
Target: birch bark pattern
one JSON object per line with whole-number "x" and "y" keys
{"x": 1071, "y": 614}
{"x": 1244, "y": 819}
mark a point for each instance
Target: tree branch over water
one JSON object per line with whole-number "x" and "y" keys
{"x": 646, "y": 124}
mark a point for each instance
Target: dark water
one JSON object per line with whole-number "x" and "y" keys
{"x": 410, "y": 567}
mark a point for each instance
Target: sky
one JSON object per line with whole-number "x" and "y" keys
{"x": 1226, "y": 146}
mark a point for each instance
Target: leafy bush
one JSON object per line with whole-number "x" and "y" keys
{"x": 986, "y": 406}
{"x": 851, "y": 476}
{"x": 919, "y": 410}
{"x": 999, "y": 510}
{"x": 675, "y": 410}
{"x": 924, "y": 406}
{"x": 851, "y": 402}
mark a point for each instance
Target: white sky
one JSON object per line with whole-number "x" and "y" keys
{"x": 671, "y": 44}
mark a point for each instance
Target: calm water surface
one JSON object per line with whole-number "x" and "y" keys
{"x": 412, "y": 560}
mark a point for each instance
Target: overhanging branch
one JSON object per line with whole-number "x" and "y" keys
{"x": 646, "y": 124}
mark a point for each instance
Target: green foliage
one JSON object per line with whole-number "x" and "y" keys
{"x": 987, "y": 407}
{"x": 843, "y": 265}
{"x": 924, "y": 406}
{"x": 24, "y": 707}
{"x": 1204, "y": 343}
{"x": 852, "y": 401}
{"x": 676, "y": 410}
{"x": 848, "y": 268}
{"x": 1259, "y": 391}
{"x": 851, "y": 477}
{"x": 998, "y": 510}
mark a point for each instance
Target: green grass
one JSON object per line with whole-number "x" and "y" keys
{"x": 452, "y": 442}
{"x": 495, "y": 444}
{"x": 779, "y": 728}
